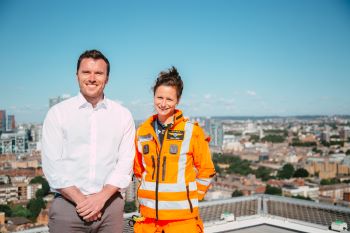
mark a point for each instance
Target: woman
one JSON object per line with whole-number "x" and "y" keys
{"x": 172, "y": 162}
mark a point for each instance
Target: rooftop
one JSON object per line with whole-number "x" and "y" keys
{"x": 264, "y": 213}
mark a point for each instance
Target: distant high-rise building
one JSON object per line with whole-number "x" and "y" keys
{"x": 216, "y": 134}
{"x": 344, "y": 133}
{"x": 325, "y": 136}
{"x": 2, "y": 120}
{"x": 207, "y": 125}
{"x": 15, "y": 142}
{"x": 11, "y": 123}
{"x": 56, "y": 100}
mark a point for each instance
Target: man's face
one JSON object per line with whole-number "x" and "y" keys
{"x": 92, "y": 78}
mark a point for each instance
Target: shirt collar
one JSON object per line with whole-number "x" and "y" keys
{"x": 83, "y": 103}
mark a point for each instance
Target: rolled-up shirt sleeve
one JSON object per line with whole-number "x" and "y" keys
{"x": 52, "y": 146}
{"x": 121, "y": 175}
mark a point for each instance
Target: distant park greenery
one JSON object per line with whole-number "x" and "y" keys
{"x": 302, "y": 198}
{"x": 332, "y": 143}
{"x": 20, "y": 211}
{"x": 276, "y": 131}
{"x": 33, "y": 207}
{"x": 273, "y": 138}
{"x": 297, "y": 142}
{"x": 236, "y": 165}
{"x": 217, "y": 169}
{"x": 273, "y": 190}
{"x": 301, "y": 172}
{"x": 286, "y": 172}
{"x": 45, "y": 188}
{"x": 237, "y": 193}
{"x": 315, "y": 150}
{"x": 264, "y": 173}
{"x": 6, "y": 209}
{"x": 254, "y": 138}
{"x": 242, "y": 167}
{"x": 333, "y": 125}
{"x": 330, "y": 181}
{"x": 235, "y": 133}
{"x": 239, "y": 166}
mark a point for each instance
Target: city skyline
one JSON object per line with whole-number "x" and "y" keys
{"x": 236, "y": 58}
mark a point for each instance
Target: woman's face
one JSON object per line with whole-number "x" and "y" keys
{"x": 165, "y": 101}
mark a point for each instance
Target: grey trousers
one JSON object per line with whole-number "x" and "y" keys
{"x": 63, "y": 217}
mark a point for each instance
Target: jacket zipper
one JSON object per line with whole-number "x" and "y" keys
{"x": 153, "y": 166}
{"x": 188, "y": 198}
{"x": 157, "y": 178}
{"x": 164, "y": 168}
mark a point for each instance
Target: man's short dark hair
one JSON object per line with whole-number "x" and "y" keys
{"x": 94, "y": 54}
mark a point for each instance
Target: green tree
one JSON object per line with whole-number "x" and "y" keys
{"x": 297, "y": 142}
{"x": 263, "y": 173}
{"x": 20, "y": 211}
{"x": 302, "y": 198}
{"x": 241, "y": 167}
{"x": 254, "y": 138}
{"x": 330, "y": 181}
{"x": 340, "y": 143}
{"x": 273, "y": 190}
{"x": 130, "y": 207}
{"x": 39, "y": 193}
{"x": 35, "y": 206}
{"x": 44, "y": 184}
{"x": 286, "y": 172}
{"x": 317, "y": 150}
{"x": 6, "y": 209}
{"x": 301, "y": 172}
{"x": 273, "y": 138}
{"x": 347, "y": 152}
{"x": 217, "y": 168}
{"x": 237, "y": 193}
{"x": 325, "y": 143}
{"x": 333, "y": 125}
{"x": 236, "y": 165}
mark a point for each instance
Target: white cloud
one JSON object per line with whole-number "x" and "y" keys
{"x": 251, "y": 93}
{"x": 207, "y": 96}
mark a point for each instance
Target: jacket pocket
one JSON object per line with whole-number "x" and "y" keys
{"x": 188, "y": 198}
{"x": 153, "y": 166}
{"x": 164, "y": 168}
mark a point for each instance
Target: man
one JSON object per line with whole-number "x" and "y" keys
{"x": 88, "y": 153}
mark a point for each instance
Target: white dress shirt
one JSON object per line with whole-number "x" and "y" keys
{"x": 88, "y": 147}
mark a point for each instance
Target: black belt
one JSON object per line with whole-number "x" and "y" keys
{"x": 58, "y": 195}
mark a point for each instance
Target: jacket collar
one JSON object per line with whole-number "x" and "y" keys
{"x": 178, "y": 117}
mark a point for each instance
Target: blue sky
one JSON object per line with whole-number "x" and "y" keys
{"x": 272, "y": 57}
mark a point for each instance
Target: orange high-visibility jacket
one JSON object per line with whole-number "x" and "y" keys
{"x": 173, "y": 176}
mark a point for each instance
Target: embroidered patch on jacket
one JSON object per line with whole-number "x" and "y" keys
{"x": 176, "y": 134}
{"x": 145, "y": 149}
{"x": 173, "y": 149}
{"x": 144, "y": 138}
